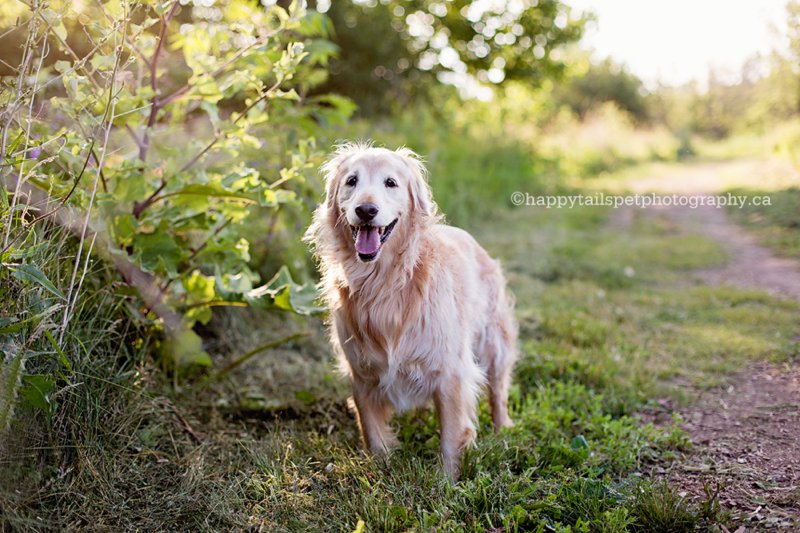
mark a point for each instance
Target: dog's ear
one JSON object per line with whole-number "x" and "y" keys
{"x": 330, "y": 172}
{"x": 420, "y": 191}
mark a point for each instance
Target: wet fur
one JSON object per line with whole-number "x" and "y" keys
{"x": 429, "y": 319}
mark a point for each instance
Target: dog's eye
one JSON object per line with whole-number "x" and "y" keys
{"x": 351, "y": 181}
{"x": 390, "y": 182}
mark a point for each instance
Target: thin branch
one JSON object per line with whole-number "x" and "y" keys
{"x": 200, "y": 248}
{"x": 156, "y": 104}
{"x": 219, "y": 70}
{"x": 21, "y": 177}
{"x": 252, "y": 353}
{"x": 139, "y": 207}
{"x": 136, "y": 139}
{"x": 72, "y": 190}
{"x": 71, "y": 52}
{"x": 131, "y": 44}
{"x": 163, "y": 289}
{"x": 218, "y": 136}
{"x": 83, "y": 275}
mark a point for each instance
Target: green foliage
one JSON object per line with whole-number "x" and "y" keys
{"x": 584, "y": 89}
{"x": 180, "y": 127}
{"x": 658, "y": 508}
{"x": 777, "y": 222}
{"x": 271, "y": 442}
{"x": 10, "y": 378}
{"x": 202, "y": 183}
{"x": 393, "y": 52}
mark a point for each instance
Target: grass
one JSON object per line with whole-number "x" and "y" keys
{"x": 777, "y": 224}
{"x": 610, "y": 322}
{"x": 71, "y": 396}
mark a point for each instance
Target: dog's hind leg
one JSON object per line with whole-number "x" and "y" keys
{"x": 499, "y": 353}
{"x": 373, "y": 420}
{"x": 499, "y": 382}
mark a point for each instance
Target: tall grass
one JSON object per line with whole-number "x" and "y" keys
{"x": 60, "y": 400}
{"x": 607, "y": 140}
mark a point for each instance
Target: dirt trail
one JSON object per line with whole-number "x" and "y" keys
{"x": 750, "y": 264}
{"x": 746, "y": 447}
{"x": 746, "y": 435}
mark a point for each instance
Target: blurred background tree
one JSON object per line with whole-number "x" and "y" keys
{"x": 394, "y": 52}
{"x": 595, "y": 82}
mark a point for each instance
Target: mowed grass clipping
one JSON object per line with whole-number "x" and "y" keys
{"x": 610, "y": 321}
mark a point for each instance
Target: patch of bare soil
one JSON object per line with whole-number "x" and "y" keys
{"x": 746, "y": 448}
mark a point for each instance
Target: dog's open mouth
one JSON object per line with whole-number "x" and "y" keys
{"x": 369, "y": 239}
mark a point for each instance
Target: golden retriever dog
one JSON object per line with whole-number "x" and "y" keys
{"x": 419, "y": 311}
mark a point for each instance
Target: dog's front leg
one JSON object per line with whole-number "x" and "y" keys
{"x": 456, "y": 411}
{"x": 373, "y": 419}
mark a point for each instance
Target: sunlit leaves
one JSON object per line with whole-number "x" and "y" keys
{"x": 283, "y": 293}
{"x": 208, "y": 132}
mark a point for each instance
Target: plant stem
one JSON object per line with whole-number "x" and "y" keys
{"x": 156, "y": 103}
{"x": 108, "y": 115}
{"x": 252, "y": 353}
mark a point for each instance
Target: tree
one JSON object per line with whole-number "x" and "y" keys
{"x": 396, "y": 49}
{"x": 601, "y": 82}
{"x": 793, "y": 26}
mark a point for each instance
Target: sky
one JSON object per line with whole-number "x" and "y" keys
{"x": 675, "y": 41}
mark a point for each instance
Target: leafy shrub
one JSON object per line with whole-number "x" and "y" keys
{"x": 159, "y": 144}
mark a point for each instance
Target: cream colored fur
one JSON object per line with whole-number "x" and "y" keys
{"x": 428, "y": 319}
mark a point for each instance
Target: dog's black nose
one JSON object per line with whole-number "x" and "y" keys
{"x": 366, "y": 212}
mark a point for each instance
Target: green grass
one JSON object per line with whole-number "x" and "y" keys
{"x": 777, "y": 224}
{"x": 610, "y": 322}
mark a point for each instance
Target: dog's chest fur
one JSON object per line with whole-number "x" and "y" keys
{"x": 385, "y": 348}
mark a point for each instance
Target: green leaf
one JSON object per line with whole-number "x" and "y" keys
{"x": 578, "y": 443}
{"x": 30, "y": 274}
{"x": 283, "y": 293}
{"x": 196, "y": 189}
{"x": 158, "y": 252}
{"x": 186, "y": 350}
{"x": 305, "y": 396}
{"x": 64, "y": 360}
{"x": 62, "y": 66}
{"x": 579, "y": 446}
{"x": 130, "y": 186}
{"x": 198, "y": 287}
{"x": 202, "y": 314}
{"x": 123, "y": 228}
{"x": 36, "y": 392}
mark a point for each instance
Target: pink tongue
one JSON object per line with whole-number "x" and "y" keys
{"x": 368, "y": 241}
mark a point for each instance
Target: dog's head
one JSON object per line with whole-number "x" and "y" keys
{"x": 373, "y": 194}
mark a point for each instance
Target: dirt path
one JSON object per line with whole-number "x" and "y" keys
{"x": 746, "y": 435}
{"x": 750, "y": 264}
{"x": 746, "y": 448}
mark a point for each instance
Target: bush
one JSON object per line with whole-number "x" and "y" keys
{"x": 159, "y": 144}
